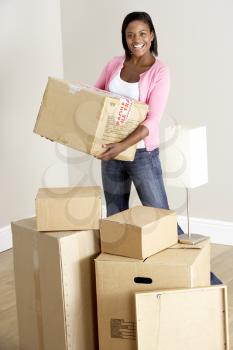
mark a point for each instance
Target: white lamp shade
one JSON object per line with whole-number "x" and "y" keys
{"x": 185, "y": 156}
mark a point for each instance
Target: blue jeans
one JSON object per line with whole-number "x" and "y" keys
{"x": 146, "y": 174}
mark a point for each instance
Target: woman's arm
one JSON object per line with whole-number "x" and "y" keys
{"x": 157, "y": 102}
{"x": 113, "y": 149}
{"x": 101, "y": 81}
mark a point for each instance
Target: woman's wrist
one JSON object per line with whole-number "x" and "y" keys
{"x": 124, "y": 144}
{"x": 137, "y": 135}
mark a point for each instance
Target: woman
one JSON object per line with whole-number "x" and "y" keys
{"x": 142, "y": 76}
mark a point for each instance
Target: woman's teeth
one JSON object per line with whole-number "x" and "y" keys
{"x": 138, "y": 46}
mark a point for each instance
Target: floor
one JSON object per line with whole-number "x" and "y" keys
{"x": 221, "y": 265}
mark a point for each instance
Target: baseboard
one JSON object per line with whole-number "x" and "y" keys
{"x": 5, "y": 238}
{"x": 220, "y": 232}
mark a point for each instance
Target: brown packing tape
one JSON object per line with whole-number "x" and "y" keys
{"x": 226, "y": 319}
{"x": 65, "y": 291}
{"x": 37, "y": 290}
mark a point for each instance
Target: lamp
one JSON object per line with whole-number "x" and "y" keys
{"x": 185, "y": 165}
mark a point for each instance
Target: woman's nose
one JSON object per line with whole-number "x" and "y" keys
{"x": 136, "y": 38}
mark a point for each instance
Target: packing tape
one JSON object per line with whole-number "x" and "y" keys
{"x": 73, "y": 89}
{"x": 38, "y": 307}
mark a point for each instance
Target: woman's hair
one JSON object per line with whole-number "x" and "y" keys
{"x": 138, "y": 16}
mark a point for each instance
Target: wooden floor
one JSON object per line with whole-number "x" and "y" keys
{"x": 222, "y": 265}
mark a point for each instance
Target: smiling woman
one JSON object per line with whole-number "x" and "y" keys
{"x": 141, "y": 75}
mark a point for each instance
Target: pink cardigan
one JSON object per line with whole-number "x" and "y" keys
{"x": 154, "y": 87}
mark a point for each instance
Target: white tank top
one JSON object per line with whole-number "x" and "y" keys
{"x": 124, "y": 88}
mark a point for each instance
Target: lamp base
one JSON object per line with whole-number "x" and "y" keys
{"x": 192, "y": 239}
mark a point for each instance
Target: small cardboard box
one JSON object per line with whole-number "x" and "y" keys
{"x": 55, "y": 288}
{"x": 138, "y": 232}
{"x": 68, "y": 208}
{"x": 85, "y": 118}
{"x": 188, "y": 319}
{"x": 118, "y": 278}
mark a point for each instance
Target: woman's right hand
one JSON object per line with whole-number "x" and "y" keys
{"x": 111, "y": 151}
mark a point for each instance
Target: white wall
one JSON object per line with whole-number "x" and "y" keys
{"x": 195, "y": 39}
{"x": 31, "y": 50}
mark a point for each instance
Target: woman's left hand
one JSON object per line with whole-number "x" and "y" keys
{"x": 111, "y": 151}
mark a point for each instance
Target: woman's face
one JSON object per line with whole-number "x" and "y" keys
{"x": 138, "y": 38}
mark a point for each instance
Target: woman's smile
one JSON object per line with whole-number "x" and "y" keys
{"x": 138, "y": 46}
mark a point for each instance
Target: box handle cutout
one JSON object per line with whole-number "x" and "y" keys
{"x": 143, "y": 280}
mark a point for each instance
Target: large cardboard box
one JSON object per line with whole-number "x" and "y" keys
{"x": 55, "y": 288}
{"x": 138, "y": 232}
{"x": 84, "y": 117}
{"x": 118, "y": 278}
{"x": 188, "y": 319}
{"x": 68, "y": 208}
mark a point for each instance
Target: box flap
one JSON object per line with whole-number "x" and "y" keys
{"x": 182, "y": 319}
{"x": 116, "y": 258}
{"x": 26, "y": 223}
{"x": 68, "y": 192}
{"x": 31, "y": 225}
{"x": 185, "y": 257}
{"x": 168, "y": 256}
{"x": 139, "y": 215}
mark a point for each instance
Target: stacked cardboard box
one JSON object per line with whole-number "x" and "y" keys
{"x": 55, "y": 285}
{"x": 126, "y": 266}
{"x": 54, "y": 270}
{"x": 72, "y": 208}
{"x": 141, "y": 259}
{"x": 138, "y": 232}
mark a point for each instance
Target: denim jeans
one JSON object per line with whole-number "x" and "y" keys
{"x": 146, "y": 174}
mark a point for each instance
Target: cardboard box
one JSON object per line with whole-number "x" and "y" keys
{"x": 138, "y": 232}
{"x": 187, "y": 319}
{"x": 84, "y": 118}
{"x": 118, "y": 278}
{"x": 68, "y": 208}
{"x": 55, "y": 288}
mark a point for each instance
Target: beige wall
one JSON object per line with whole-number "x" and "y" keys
{"x": 195, "y": 39}
{"x": 30, "y": 46}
